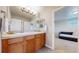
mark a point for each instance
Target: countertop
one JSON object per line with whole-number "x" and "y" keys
{"x": 7, "y": 36}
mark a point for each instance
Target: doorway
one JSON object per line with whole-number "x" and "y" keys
{"x": 66, "y": 35}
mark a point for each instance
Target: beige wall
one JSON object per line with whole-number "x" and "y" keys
{"x": 47, "y": 13}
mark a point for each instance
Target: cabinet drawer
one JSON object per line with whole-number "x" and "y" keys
{"x": 15, "y": 40}
{"x": 29, "y": 37}
{"x": 16, "y": 48}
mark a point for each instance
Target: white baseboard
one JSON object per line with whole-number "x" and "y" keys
{"x": 49, "y": 46}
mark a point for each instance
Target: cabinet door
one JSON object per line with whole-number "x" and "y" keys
{"x": 43, "y": 37}
{"x": 40, "y": 41}
{"x": 5, "y": 46}
{"x": 16, "y": 47}
{"x": 37, "y": 43}
{"x": 30, "y": 45}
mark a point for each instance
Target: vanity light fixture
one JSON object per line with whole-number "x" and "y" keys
{"x": 24, "y": 10}
{"x": 27, "y": 11}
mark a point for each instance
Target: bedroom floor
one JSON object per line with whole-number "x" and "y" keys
{"x": 66, "y": 46}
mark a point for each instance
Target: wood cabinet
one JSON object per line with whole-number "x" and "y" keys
{"x": 5, "y": 45}
{"x": 15, "y": 45}
{"x": 29, "y": 45}
{"x": 12, "y": 45}
{"x": 40, "y": 41}
{"x": 16, "y": 48}
{"x": 43, "y": 37}
{"x": 37, "y": 44}
{"x": 26, "y": 44}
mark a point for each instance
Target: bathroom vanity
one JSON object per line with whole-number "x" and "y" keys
{"x": 23, "y": 42}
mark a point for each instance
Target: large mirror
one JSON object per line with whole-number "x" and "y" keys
{"x": 24, "y": 19}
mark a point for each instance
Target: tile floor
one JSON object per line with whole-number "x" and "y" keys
{"x": 47, "y": 50}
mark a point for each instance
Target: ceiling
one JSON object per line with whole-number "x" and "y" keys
{"x": 68, "y": 12}
{"x": 16, "y": 10}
